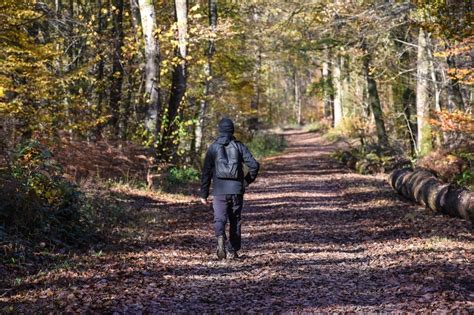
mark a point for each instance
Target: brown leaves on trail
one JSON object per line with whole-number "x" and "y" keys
{"x": 315, "y": 239}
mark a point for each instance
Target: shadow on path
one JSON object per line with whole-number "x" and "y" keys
{"x": 316, "y": 238}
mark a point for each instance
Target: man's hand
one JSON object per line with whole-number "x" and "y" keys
{"x": 204, "y": 201}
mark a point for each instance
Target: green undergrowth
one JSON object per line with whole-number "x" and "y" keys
{"x": 267, "y": 144}
{"x": 320, "y": 126}
{"x": 465, "y": 177}
{"x": 179, "y": 179}
{"x": 350, "y": 128}
{"x": 182, "y": 175}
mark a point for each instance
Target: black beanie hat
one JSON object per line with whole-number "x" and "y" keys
{"x": 226, "y": 126}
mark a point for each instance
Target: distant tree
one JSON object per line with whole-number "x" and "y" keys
{"x": 152, "y": 67}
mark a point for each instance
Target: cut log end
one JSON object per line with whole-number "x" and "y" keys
{"x": 423, "y": 187}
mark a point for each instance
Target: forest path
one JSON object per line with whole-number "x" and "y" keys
{"x": 316, "y": 238}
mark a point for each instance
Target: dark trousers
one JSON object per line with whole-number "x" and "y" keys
{"x": 228, "y": 207}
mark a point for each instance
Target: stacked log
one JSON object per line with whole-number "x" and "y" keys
{"x": 422, "y": 186}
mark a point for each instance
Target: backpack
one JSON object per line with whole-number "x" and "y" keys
{"x": 227, "y": 161}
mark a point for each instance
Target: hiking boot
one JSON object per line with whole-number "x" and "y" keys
{"x": 221, "y": 247}
{"x": 232, "y": 254}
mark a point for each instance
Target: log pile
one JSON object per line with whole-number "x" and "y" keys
{"x": 422, "y": 186}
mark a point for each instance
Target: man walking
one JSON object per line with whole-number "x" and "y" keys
{"x": 224, "y": 165}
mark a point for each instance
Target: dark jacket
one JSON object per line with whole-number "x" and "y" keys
{"x": 227, "y": 186}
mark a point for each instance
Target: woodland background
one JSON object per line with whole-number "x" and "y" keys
{"x": 96, "y": 94}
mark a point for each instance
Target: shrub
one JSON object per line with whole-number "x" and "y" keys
{"x": 454, "y": 166}
{"x": 320, "y": 126}
{"x": 350, "y": 128}
{"x": 180, "y": 176}
{"x": 266, "y": 144}
{"x": 36, "y": 200}
{"x": 34, "y": 167}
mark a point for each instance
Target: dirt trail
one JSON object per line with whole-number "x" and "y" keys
{"x": 316, "y": 238}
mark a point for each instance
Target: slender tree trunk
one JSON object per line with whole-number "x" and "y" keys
{"x": 100, "y": 69}
{"x": 408, "y": 106}
{"x": 152, "y": 66}
{"x": 455, "y": 98}
{"x": 67, "y": 68}
{"x": 327, "y": 88}
{"x": 72, "y": 47}
{"x": 437, "y": 89}
{"x": 338, "y": 91}
{"x": 297, "y": 84}
{"x": 255, "y": 102}
{"x": 134, "y": 97}
{"x": 198, "y": 134}
{"x": 212, "y": 8}
{"x": 374, "y": 102}
{"x": 135, "y": 12}
{"x": 365, "y": 100}
{"x": 347, "y": 107}
{"x": 424, "y": 144}
{"x": 116, "y": 78}
{"x": 178, "y": 83}
{"x": 58, "y": 6}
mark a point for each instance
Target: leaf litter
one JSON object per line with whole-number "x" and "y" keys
{"x": 316, "y": 238}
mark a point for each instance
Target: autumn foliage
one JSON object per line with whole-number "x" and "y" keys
{"x": 457, "y": 122}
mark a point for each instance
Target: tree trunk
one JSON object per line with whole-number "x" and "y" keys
{"x": 135, "y": 12}
{"x": 327, "y": 87}
{"x": 297, "y": 84}
{"x": 134, "y": 97}
{"x": 212, "y": 7}
{"x": 408, "y": 105}
{"x": 423, "y": 187}
{"x": 253, "y": 121}
{"x": 178, "y": 83}
{"x": 455, "y": 99}
{"x": 436, "y": 88}
{"x": 152, "y": 66}
{"x": 338, "y": 91}
{"x": 424, "y": 144}
{"x": 346, "y": 101}
{"x": 374, "y": 102}
{"x": 116, "y": 77}
{"x": 58, "y": 6}
{"x": 100, "y": 69}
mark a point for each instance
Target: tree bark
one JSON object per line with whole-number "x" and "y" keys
{"x": 455, "y": 98}
{"x": 374, "y": 102}
{"x": 423, "y": 187}
{"x": 152, "y": 67}
{"x": 327, "y": 87}
{"x": 100, "y": 68}
{"x": 212, "y": 8}
{"x": 253, "y": 121}
{"x": 338, "y": 91}
{"x": 179, "y": 77}
{"x": 135, "y": 12}
{"x": 58, "y": 6}
{"x": 424, "y": 144}
{"x": 116, "y": 77}
{"x": 178, "y": 85}
{"x": 408, "y": 108}
{"x": 297, "y": 97}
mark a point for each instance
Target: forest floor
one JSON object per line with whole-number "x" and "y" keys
{"x": 316, "y": 238}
